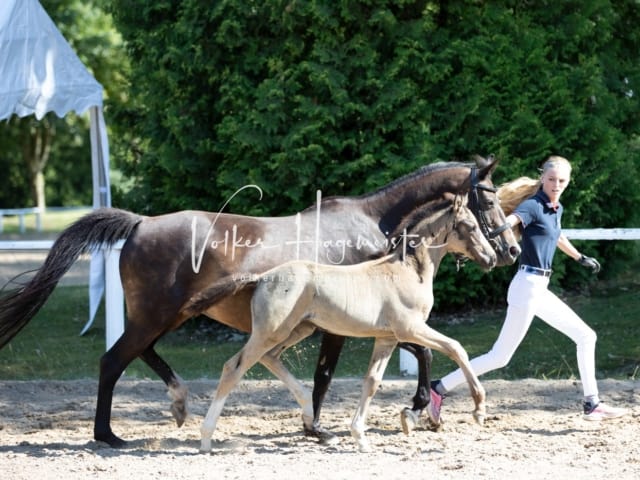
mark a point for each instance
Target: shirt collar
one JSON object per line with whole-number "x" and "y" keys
{"x": 545, "y": 199}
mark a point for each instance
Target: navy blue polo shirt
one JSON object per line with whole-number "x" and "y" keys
{"x": 541, "y": 230}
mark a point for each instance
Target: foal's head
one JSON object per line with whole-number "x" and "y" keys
{"x": 447, "y": 223}
{"x": 466, "y": 237}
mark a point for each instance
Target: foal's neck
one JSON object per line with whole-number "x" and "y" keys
{"x": 425, "y": 259}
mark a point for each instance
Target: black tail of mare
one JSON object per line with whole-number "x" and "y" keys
{"x": 101, "y": 227}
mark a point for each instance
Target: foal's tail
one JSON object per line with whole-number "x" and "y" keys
{"x": 226, "y": 286}
{"x": 103, "y": 226}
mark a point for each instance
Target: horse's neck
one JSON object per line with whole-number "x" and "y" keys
{"x": 425, "y": 259}
{"x": 394, "y": 202}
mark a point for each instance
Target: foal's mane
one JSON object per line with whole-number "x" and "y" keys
{"x": 513, "y": 193}
{"x": 429, "y": 219}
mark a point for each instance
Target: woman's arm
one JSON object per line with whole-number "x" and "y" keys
{"x": 567, "y": 247}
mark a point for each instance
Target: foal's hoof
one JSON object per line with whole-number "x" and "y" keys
{"x": 435, "y": 427}
{"x": 325, "y": 437}
{"x": 409, "y": 420}
{"x": 479, "y": 418}
{"x": 205, "y": 446}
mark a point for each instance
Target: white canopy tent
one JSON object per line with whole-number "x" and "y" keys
{"x": 40, "y": 73}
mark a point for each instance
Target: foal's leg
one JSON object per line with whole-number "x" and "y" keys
{"x": 409, "y": 416}
{"x": 272, "y": 361}
{"x": 382, "y": 350}
{"x": 178, "y": 389}
{"x": 232, "y": 372}
{"x": 330, "y": 350}
{"x": 419, "y": 332}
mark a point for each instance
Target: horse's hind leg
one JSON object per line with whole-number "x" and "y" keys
{"x": 232, "y": 372}
{"x": 272, "y": 361}
{"x": 112, "y": 365}
{"x": 178, "y": 389}
{"x": 409, "y": 416}
{"x": 382, "y": 350}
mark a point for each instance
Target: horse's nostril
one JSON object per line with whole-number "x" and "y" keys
{"x": 514, "y": 251}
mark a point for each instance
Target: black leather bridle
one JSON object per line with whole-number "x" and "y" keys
{"x": 476, "y": 208}
{"x": 479, "y": 213}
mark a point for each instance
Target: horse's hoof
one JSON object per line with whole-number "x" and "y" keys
{"x": 179, "y": 412}
{"x": 205, "y": 446}
{"x": 409, "y": 420}
{"x": 479, "y": 418}
{"x": 364, "y": 447}
{"x": 110, "y": 439}
{"x": 325, "y": 437}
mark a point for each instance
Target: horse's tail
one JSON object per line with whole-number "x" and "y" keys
{"x": 103, "y": 226}
{"x": 224, "y": 287}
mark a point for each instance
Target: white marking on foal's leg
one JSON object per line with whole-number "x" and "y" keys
{"x": 178, "y": 393}
{"x": 209, "y": 423}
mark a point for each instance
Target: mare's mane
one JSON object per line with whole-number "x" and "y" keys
{"x": 406, "y": 179}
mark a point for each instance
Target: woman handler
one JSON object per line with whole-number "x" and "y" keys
{"x": 528, "y": 295}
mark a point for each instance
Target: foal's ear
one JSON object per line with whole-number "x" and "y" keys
{"x": 458, "y": 202}
{"x": 486, "y": 166}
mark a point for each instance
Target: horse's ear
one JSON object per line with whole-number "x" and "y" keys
{"x": 486, "y": 166}
{"x": 459, "y": 202}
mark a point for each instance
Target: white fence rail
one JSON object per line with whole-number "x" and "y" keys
{"x": 114, "y": 297}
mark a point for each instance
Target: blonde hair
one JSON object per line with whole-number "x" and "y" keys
{"x": 554, "y": 161}
{"x": 513, "y": 193}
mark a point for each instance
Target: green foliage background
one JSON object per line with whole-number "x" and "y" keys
{"x": 204, "y": 97}
{"x": 344, "y": 96}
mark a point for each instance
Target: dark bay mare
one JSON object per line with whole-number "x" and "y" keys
{"x": 168, "y": 259}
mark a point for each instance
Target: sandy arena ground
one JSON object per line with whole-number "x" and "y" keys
{"x": 534, "y": 430}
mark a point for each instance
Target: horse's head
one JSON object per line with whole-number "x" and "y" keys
{"x": 485, "y": 205}
{"x": 467, "y": 238}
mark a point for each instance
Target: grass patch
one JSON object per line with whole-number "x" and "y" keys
{"x": 50, "y": 346}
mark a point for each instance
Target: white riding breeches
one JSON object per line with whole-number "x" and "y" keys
{"x": 529, "y": 296}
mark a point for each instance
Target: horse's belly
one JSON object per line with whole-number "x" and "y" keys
{"x": 350, "y": 315}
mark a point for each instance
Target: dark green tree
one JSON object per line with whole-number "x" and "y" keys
{"x": 344, "y": 96}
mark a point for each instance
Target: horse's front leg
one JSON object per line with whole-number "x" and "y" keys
{"x": 330, "y": 350}
{"x": 430, "y": 338}
{"x": 178, "y": 389}
{"x": 382, "y": 350}
{"x": 409, "y": 417}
